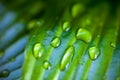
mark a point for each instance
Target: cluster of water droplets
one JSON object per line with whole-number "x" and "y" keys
{"x": 82, "y": 34}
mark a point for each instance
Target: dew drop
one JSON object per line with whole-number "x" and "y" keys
{"x": 55, "y": 42}
{"x": 94, "y": 52}
{"x": 67, "y": 58}
{"x": 77, "y": 9}
{"x": 46, "y": 65}
{"x": 112, "y": 44}
{"x": 66, "y": 26}
{"x": 84, "y": 35}
{"x": 4, "y": 73}
{"x": 38, "y": 50}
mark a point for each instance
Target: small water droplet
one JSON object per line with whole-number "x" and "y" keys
{"x": 118, "y": 78}
{"x": 4, "y": 73}
{"x": 112, "y": 44}
{"x": 77, "y": 9}
{"x": 1, "y": 52}
{"x": 94, "y": 52}
{"x": 84, "y": 35}
{"x": 38, "y": 50}
{"x": 55, "y": 42}
{"x": 46, "y": 65}
{"x": 67, "y": 58}
{"x": 66, "y": 26}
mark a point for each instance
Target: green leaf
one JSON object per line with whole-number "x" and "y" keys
{"x": 67, "y": 63}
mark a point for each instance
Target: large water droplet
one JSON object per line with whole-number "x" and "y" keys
{"x": 112, "y": 44}
{"x": 55, "y": 42}
{"x": 46, "y": 65}
{"x": 94, "y": 52}
{"x": 67, "y": 58}
{"x": 38, "y": 50}
{"x": 77, "y": 9}
{"x": 4, "y": 73}
{"x": 84, "y": 35}
{"x": 66, "y": 26}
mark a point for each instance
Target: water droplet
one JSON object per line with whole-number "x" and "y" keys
{"x": 46, "y": 65}
{"x": 112, "y": 44}
{"x": 67, "y": 58}
{"x": 77, "y": 9}
{"x": 66, "y": 26}
{"x": 94, "y": 52}
{"x": 4, "y": 73}
{"x": 118, "y": 78}
{"x": 1, "y": 52}
{"x": 38, "y": 50}
{"x": 84, "y": 35}
{"x": 55, "y": 42}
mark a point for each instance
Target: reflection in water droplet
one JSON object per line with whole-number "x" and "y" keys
{"x": 67, "y": 58}
{"x": 77, "y": 9}
{"x": 84, "y": 35}
{"x": 38, "y": 50}
{"x": 66, "y": 26}
{"x": 4, "y": 73}
{"x": 112, "y": 44}
{"x": 46, "y": 65}
{"x": 94, "y": 52}
{"x": 55, "y": 42}
{"x": 1, "y": 52}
